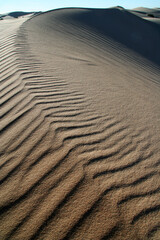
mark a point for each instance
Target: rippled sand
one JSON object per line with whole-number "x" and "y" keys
{"x": 80, "y": 125}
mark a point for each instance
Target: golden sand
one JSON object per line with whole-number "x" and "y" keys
{"x": 80, "y": 125}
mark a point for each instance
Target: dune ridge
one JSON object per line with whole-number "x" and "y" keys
{"x": 79, "y": 129}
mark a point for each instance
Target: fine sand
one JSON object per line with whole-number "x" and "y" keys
{"x": 80, "y": 125}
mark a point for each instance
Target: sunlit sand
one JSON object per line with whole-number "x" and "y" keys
{"x": 80, "y": 125}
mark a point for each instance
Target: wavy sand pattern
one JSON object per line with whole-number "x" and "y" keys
{"x": 80, "y": 126}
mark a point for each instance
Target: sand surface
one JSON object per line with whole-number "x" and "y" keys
{"x": 80, "y": 125}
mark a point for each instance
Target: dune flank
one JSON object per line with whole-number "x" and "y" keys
{"x": 80, "y": 125}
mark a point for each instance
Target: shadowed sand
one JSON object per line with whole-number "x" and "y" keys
{"x": 80, "y": 124}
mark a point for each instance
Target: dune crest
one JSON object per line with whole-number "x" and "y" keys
{"x": 80, "y": 126}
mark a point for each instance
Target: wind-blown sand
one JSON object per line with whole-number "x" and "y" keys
{"x": 80, "y": 124}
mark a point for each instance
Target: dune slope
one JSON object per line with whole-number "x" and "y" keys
{"x": 80, "y": 127}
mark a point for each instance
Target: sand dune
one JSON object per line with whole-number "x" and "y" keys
{"x": 13, "y": 15}
{"x": 152, "y": 15}
{"x": 80, "y": 126}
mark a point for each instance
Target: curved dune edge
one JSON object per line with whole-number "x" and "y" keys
{"x": 79, "y": 134}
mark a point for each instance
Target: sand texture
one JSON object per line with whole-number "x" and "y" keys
{"x": 80, "y": 125}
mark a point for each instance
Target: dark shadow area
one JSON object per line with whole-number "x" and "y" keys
{"x": 150, "y": 15}
{"x": 132, "y": 31}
